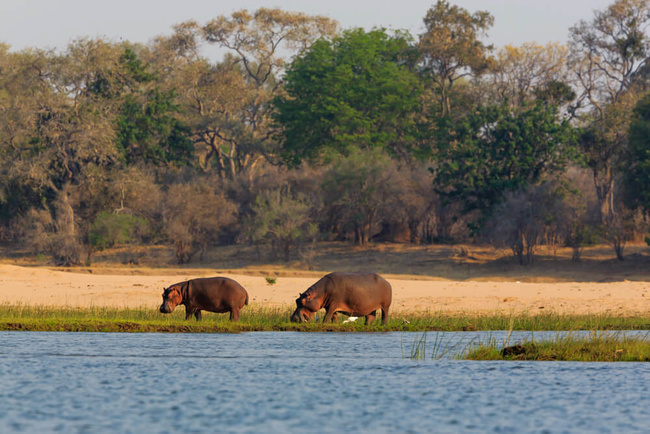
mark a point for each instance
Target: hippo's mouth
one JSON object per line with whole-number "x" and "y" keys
{"x": 164, "y": 308}
{"x": 302, "y": 315}
{"x": 299, "y": 316}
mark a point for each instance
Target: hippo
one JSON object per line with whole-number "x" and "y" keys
{"x": 354, "y": 294}
{"x": 214, "y": 294}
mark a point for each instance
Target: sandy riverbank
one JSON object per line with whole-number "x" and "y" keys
{"x": 44, "y": 286}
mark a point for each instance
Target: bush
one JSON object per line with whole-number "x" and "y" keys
{"x": 194, "y": 216}
{"x": 282, "y": 220}
{"x": 358, "y": 193}
{"x": 110, "y": 228}
{"x": 521, "y": 219}
{"x": 53, "y": 233}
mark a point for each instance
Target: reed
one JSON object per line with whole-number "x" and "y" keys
{"x": 442, "y": 347}
{"x": 262, "y": 318}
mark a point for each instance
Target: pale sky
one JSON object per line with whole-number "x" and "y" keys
{"x": 54, "y": 23}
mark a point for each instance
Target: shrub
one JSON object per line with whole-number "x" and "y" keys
{"x": 194, "y": 215}
{"x": 282, "y": 220}
{"x": 111, "y": 228}
{"x": 358, "y": 192}
{"x": 520, "y": 220}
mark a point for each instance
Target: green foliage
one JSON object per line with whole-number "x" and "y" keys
{"x": 554, "y": 92}
{"x": 148, "y": 131}
{"x": 637, "y": 162}
{"x": 110, "y": 229}
{"x": 354, "y": 91}
{"x": 494, "y": 150}
{"x": 137, "y": 70}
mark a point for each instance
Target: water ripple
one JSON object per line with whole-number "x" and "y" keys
{"x": 279, "y": 382}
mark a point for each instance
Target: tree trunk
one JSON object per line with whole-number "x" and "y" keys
{"x": 604, "y": 183}
{"x": 65, "y": 249}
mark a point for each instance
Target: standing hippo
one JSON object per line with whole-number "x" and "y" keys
{"x": 214, "y": 294}
{"x": 354, "y": 294}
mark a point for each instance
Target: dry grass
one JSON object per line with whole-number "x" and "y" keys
{"x": 461, "y": 262}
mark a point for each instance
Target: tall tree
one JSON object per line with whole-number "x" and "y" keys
{"x": 606, "y": 54}
{"x": 357, "y": 192}
{"x": 236, "y": 128}
{"x": 148, "y": 126}
{"x": 66, "y": 127}
{"x": 356, "y": 91}
{"x": 519, "y": 75}
{"x": 451, "y": 47}
{"x": 637, "y": 162}
{"x": 495, "y": 149}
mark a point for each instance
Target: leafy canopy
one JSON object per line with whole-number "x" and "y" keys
{"x": 637, "y": 163}
{"x": 495, "y": 149}
{"x": 354, "y": 91}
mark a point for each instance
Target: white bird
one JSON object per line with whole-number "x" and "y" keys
{"x": 351, "y": 319}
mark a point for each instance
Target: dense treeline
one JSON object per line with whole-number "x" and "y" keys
{"x": 303, "y": 132}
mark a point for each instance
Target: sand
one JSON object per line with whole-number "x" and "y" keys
{"x": 49, "y": 287}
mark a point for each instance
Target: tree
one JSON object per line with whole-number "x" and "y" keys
{"x": 148, "y": 125}
{"x": 520, "y": 75}
{"x": 281, "y": 218}
{"x": 603, "y": 145}
{"x": 357, "y": 190}
{"x": 194, "y": 215}
{"x": 355, "y": 91}
{"x": 229, "y": 103}
{"x": 148, "y": 131}
{"x": 606, "y": 54}
{"x": 637, "y": 162}
{"x": 520, "y": 221}
{"x": 451, "y": 47}
{"x": 495, "y": 150}
{"x": 64, "y": 126}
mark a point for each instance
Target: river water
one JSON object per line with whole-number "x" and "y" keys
{"x": 303, "y": 382}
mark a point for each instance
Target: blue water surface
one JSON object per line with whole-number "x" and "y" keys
{"x": 303, "y": 382}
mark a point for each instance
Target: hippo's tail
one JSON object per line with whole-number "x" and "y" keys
{"x": 246, "y": 301}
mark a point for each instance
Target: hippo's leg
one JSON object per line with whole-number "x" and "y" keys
{"x": 371, "y": 317}
{"x": 335, "y": 316}
{"x": 188, "y": 312}
{"x": 197, "y": 314}
{"x": 329, "y": 315}
{"x": 384, "y": 315}
{"x": 234, "y": 315}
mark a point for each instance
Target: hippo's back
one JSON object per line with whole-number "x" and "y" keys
{"x": 220, "y": 290}
{"x": 351, "y": 286}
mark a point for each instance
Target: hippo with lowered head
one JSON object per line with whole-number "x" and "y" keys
{"x": 214, "y": 294}
{"x": 354, "y": 294}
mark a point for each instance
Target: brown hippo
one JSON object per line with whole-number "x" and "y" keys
{"x": 214, "y": 294}
{"x": 354, "y": 294}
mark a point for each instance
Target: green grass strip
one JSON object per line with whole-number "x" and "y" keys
{"x": 256, "y": 318}
{"x": 597, "y": 347}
